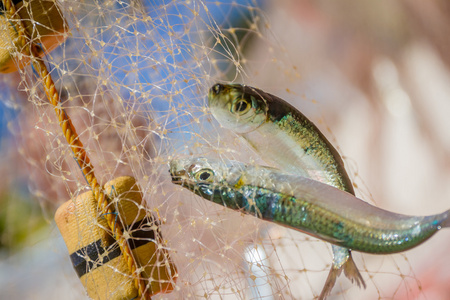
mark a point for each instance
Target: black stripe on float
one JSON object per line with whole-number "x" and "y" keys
{"x": 142, "y": 232}
{"x": 94, "y": 251}
{"x": 88, "y": 258}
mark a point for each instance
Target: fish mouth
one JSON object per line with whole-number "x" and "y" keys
{"x": 216, "y": 89}
{"x": 178, "y": 177}
{"x": 218, "y": 96}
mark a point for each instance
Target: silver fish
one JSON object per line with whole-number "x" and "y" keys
{"x": 306, "y": 205}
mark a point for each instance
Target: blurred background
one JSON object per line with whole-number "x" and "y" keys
{"x": 134, "y": 75}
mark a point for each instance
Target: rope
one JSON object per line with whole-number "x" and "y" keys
{"x": 77, "y": 147}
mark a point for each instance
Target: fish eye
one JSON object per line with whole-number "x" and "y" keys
{"x": 241, "y": 106}
{"x": 217, "y": 88}
{"x": 205, "y": 175}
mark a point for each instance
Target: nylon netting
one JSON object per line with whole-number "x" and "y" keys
{"x": 134, "y": 77}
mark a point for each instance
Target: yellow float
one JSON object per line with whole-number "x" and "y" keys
{"x": 95, "y": 255}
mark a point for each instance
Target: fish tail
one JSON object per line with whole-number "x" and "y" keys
{"x": 352, "y": 272}
{"x": 446, "y": 219}
{"x": 329, "y": 283}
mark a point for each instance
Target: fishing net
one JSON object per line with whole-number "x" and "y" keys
{"x": 134, "y": 76}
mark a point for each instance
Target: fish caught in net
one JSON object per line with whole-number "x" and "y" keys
{"x": 134, "y": 77}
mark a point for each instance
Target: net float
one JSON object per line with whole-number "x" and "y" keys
{"x": 95, "y": 254}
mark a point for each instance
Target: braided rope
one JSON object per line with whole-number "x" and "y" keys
{"x": 77, "y": 147}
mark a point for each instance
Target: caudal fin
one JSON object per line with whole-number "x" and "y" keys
{"x": 446, "y": 219}
{"x": 329, "y": 283}
{"x": 350, "y": 271}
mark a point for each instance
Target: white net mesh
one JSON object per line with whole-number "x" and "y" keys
{"x": 134, "y": 75}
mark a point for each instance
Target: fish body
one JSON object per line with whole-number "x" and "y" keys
{"x": 306, "y": 205}
{"x": 283, "y": 136}
{"x": 279, "y": 132}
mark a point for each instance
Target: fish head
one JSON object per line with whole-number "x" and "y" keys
{"x": 204, "y": 176}
{"x": 238, "y": 107}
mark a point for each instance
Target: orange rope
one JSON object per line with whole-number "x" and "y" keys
{"x": 77, "y": 148}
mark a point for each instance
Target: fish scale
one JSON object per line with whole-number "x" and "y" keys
{"x": 302, "y": 215}
{"x": 314, "y": 146}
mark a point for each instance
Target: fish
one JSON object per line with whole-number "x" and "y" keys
{"x": 286, "y": 138}
{"x": 279, "y": 132}
{"x": 305, "y": 205}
